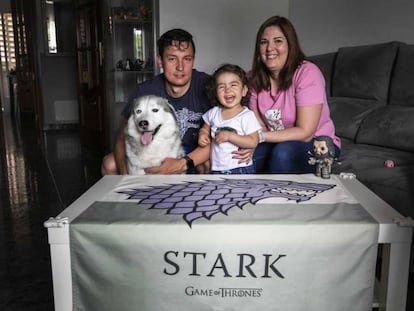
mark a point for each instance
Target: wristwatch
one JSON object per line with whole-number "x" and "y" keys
{"x": 189, "y": 162}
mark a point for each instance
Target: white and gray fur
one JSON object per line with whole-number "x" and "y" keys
{"x": 152, "y": 134}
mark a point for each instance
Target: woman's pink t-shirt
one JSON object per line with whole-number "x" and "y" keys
{"x": 308, "y": 88}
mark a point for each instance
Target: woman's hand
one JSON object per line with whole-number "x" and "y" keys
{"x": 243, "y": 155}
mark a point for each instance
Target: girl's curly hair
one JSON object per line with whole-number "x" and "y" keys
{"x": 211, "y": 86}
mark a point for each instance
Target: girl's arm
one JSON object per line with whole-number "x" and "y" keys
{"x": 204, "y": 135}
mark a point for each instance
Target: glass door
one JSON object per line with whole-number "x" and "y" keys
{"x": 130, "y": 51}
{"x": 90, "y": 83}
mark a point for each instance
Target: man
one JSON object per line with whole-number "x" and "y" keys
{"x": 184, "y": 88}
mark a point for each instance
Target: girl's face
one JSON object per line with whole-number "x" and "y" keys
{"x": 274, "y": 49}
{"x": 230, "y": 89}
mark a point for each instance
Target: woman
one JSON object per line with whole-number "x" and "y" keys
{"x": 289, "y": 100}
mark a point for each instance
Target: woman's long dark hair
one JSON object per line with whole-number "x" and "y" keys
{"x": 260, "y": 75}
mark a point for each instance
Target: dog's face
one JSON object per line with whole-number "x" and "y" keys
{"x": 150, "y": 113}
{"x": 151, "y": 134}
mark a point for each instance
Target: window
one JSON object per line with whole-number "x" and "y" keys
{"x": 7, "y": 50}
{"x": 139, "y": 44}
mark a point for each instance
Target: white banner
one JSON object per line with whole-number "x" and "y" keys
{"x": 218, "y": 244}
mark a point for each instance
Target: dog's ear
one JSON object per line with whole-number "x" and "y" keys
{"x": 170, "y": 108}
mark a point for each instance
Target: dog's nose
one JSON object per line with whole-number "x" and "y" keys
{"x": 143, "y": 124}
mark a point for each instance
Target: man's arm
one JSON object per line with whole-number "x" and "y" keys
{"x": 178, "y": 166}
{"x": 119, "y": 151}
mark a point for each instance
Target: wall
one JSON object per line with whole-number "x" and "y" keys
{"x": 58, "y": 84}
{"x": 5, "y": 6}
{"x": 223, "y": 30}
{"x": 325, "y": 25}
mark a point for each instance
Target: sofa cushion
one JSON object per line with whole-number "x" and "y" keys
{"x": 392, "y": 184}
{"x": 348, "y": 113}
{"x": 355, "y": 158}
{"x": 325, "y": 62}
{"x": 389, "y": 126}
{"x": 402, "y": 90}
{"x": 364, "y": 71}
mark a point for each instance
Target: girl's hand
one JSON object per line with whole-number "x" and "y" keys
{"x": 203, "y": 140}
{"x": 223, "y": 136}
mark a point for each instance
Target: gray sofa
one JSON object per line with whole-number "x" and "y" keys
{"x": 371, "y": 97}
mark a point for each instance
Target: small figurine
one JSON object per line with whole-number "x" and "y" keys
{"x": 128, "y": 64}
{"x": 120, "y": 65}
{"x": 137, "y": 65}
{"x": 324, "y": 156}
{"x": 142, "y": 11}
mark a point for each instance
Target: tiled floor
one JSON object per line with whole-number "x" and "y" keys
{"x": 39, "y": 177}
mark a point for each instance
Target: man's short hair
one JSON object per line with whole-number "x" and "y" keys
{"x": 175, "y": 37}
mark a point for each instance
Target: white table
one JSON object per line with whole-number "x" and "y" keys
{"x": 395, "y": 233}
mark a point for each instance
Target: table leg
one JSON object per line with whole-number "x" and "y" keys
{"x": 62, "y": 277}
{"x": 394, "y": 276}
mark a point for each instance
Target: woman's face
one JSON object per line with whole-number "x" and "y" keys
{"x": 273, "y": 49}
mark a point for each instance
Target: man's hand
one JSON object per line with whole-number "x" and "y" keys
{"x": 168, "y": 167}
{"x": 178, "y": 166}
{"x": 243, "y": 155}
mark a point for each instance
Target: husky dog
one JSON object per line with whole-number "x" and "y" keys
{"x": 152, "y": 134}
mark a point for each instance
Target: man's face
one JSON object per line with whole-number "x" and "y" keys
{"x": 177, "y": 63}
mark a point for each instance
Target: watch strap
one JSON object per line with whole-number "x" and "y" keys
{"x": 189, "y": 162}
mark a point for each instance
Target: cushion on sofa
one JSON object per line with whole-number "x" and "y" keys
{"x": 348, "y": 113}
{"x": 364, "y": 71}
{"x": 388, "y": 126}
{"x": 325, "y": 62}
{"x": 394, "y": 185}
{"x": 356, "y": 158}
{"x": 402, "y": 90}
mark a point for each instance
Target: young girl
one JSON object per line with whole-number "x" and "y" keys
{"x": 230, "y": 125}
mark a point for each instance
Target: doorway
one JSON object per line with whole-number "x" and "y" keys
{"x": 7, "y": 63}
{"x": 27, "y": 86}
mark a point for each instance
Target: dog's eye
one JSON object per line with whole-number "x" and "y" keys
{"x": 138, "y": 111}
{"x": 155, "y": 110}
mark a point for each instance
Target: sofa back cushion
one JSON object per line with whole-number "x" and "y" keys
{"x": 364, "y": 71}
{"x": 402, "y": 82}
{"x": 348, "y": 113}
{"x": 388, "y": 126}
{"x": 325, "y": 62}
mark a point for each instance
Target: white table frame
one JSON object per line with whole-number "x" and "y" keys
{"x": 395, "y": 235}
